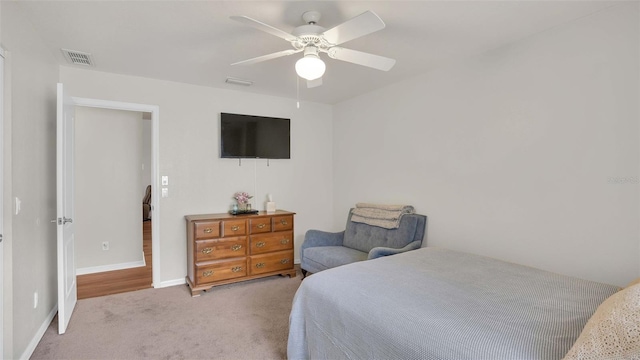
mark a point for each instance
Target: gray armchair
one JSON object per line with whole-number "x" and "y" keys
{"x": 323, "y": 250}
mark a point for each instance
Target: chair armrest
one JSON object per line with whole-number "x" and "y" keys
{"x": 314, "y": 238}
{"x": 380, "y": 251}
{"x": 317, "y": 238}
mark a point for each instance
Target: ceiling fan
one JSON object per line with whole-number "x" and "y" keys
{"x": 312, "y": 39}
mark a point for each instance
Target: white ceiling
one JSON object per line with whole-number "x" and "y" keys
{"x": 195, "y": 41}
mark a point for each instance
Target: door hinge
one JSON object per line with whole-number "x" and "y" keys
{"x": 61, "y": 221}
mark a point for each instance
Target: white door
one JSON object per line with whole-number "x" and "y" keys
{"x": 1, "y": 202}
{"x": 67, "y": 287}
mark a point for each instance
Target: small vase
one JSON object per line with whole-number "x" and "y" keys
{"x": 247, "y": 207}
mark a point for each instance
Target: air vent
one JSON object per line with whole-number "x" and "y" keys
{"x": 78, "y": 57}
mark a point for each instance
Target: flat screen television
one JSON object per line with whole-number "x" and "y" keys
{"x": 248, "y": 136}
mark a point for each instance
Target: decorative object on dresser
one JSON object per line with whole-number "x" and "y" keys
{"x": 244, "y": 205}
{"x": 225, "y": 248}
{"x": 270, "y": 205}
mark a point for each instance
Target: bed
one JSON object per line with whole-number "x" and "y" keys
{"x": 434, "y": 303}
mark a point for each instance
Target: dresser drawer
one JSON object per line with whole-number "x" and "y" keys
{"x": 222, "y": 270}
{"x": 260, "y": 225}
{"x": 271, "y": 242}
{"x": 281, "y": 223}
{"x": 234, "y": 228}
{"x": 206, "y": 229}
{"x": 261, "y": 264}
{"x": 207, "y": 250}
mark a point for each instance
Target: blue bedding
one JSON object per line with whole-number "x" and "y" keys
{"x": 434, "y": 303}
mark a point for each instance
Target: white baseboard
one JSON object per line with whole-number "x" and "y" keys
{"x": 38, "y": 336}
{"x": 111, "y": 267}
{"x": 296, "y": 261}
{"x": 168, "y": 283}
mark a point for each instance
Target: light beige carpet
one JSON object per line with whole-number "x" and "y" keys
{"x": 248, "y": 320}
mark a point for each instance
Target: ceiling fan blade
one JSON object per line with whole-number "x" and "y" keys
{"x": 314, "y": 83}
{"x": 264, "y": 27}
{"x": 362, "y": 58}
{"x": 266, "y": 57}
{"x": 361, "y": 25}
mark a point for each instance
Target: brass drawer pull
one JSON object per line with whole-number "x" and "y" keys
{"x": 207, "y": 273}
{"x": 207, "y": 250}
{"x": 208, "y": 230}
{"x": 284, "y": 241}
{"x": 236, "y": 247}
{"x": 235, "y": 228}
{"x": 260, "y": 244}
{"x": 260, "y": 265}
{"x": 261, "y": 226}
{"x": 283, "y": 222}
{"x": 284, "y": 261}
{"x": 236, "y": 269}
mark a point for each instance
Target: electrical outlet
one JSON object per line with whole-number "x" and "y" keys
{"x": 35, "y": 299}
{"x": 105, "y": 245}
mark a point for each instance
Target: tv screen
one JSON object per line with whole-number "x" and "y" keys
{"x": 248, "y": 136}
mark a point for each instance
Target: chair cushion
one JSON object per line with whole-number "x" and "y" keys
{"x": 326, "y": 257}
{"x": 365, "y": 237}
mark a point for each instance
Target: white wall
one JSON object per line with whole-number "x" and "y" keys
{"x": 29, "y": 126}
{"x": 527, "y": 153}
{"x": 201, "y": 182}
{"x": 108, "y": 174}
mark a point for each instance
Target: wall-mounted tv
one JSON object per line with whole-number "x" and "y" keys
{"x": 248, "y": 136}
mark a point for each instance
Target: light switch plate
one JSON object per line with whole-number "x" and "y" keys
{"x": 165, "y": 192}
{"x": 165, "y": 180}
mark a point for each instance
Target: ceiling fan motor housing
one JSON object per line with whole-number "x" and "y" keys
{"x": 309, "y": 35}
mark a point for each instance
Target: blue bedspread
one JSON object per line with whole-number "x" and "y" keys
{"x": 434, "y": 303}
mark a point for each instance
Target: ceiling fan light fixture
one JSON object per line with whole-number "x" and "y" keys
{"x": 310, "y": 67}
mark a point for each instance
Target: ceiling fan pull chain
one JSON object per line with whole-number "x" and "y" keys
{"x": 297, "y": 91}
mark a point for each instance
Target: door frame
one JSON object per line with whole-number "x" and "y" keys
{"x": 155, "y": 169}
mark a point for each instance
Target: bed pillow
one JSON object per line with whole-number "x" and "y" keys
{"x": 613, "y": 332}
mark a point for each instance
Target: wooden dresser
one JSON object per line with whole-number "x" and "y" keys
{"x": 225, "y": 248}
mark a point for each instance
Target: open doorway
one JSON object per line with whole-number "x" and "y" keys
{"x": 112, "y": 176}
{"x": 154, "y": 110}
{"x": 65, "y": 193}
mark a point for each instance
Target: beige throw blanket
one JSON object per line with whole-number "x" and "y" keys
{"x": 384, "y": 216}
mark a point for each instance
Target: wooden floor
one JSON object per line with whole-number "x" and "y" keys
{"x": 119, "y": 281}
